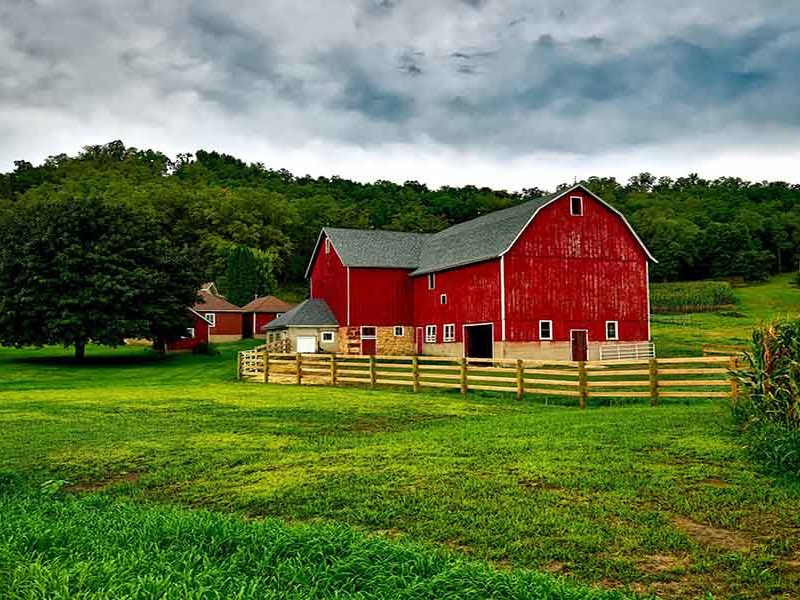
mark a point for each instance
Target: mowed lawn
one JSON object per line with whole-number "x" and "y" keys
{"x": 315, "y": 492}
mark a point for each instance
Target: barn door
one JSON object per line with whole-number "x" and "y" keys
{"x": 369, "y": 340}
{"x": 579, "y": 341}
{"x": 419, "y": 340}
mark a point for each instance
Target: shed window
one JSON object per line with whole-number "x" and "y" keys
{"x": 430, "y": 334}
{"x": 327, "y": 245}
{"x": 431, "y": 281}
{"x": 576, "y": 206}
{"x": 450, "y": 332}
{"x": 190, "y": 333}
{"x": 545, "y": 330}
{"x": 612, "y": 330}
{"x": 327, "y": 336}
{"x": 369, "y": 333}
{"x": 211, "y": 318}
{"x": 443, "y": 299}
{"x": 399, "y": 331}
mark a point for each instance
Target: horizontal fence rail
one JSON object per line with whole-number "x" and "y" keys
{"x": 651, "y": 379}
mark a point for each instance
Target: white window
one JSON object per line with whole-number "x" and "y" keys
{"x": 450, "y": 332}
{"x": 211, "y": 318}
{"x": 327, "y": 245}
{"x": 327, "y": 336}
{"x": 431, "y": 281}
{"x": 399, "y": 331}
{"x": 576, "y": 206}
{"x": 545, "y": 330}
{"x": 443, "y": 299}
{"x": 430, "y": 334}
{"x": 612, "y": 330}
{"x": 190, "y": 333}
{"x": 369, "y": 333}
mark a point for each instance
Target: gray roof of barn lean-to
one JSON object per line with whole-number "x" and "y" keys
{"x": 309, "y": 313}
{"x": 377, "y": 248}
{"x": 483, "y": 238}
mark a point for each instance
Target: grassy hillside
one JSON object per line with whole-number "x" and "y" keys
{"x": 685, "y": 334}
{"x": 624, "y": 498}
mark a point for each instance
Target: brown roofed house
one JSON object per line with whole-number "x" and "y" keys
{"x": 261, "y": 311}
{"x": 226, "y": 320}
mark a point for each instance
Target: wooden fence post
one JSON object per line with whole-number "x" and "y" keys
{"x": 463, "y": 375}
{"x": 372, "y": 375}
{"x": 583, "y": 384}
{"x": 520, "y": 378}
{"x": 298, "y": 364}
{"x": 238, "y": 365}
{"x": 733, "y": 365}
{"x": 333, "y": 368}
{"x": 415, "y": 372}
{"x": 653, "y": 382}
{"x": 266, "y": 365}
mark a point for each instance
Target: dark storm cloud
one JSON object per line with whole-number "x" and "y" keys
{"x": 493, "y": 77}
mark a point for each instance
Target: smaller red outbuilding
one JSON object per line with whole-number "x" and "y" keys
{"x": 195, "y": 335}
{"x": 225, "y": 320}
{"x": 261, "y": 311}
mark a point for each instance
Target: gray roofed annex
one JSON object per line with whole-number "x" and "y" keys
{"x": 313, "y": 312}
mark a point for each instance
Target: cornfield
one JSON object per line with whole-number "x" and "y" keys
{"x": 769, "y": 411}
{"x": 688, "y": 297}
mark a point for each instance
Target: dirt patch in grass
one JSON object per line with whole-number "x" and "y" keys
{"x": 714, "y": 536}
{"x": 715, "y": 482}
{"x": 537, "y": 484}
{"x": 83, "y": 487}
{"x": 663, "y": 563}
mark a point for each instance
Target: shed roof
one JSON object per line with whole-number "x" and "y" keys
{"x": 212, "y": 303}
{"x": 267, "y": 304}
{"x": 309, "y": 313}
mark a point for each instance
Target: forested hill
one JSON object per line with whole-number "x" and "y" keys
{"x": 213, "y": 203}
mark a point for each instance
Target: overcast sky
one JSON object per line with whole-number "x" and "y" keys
{"x": 509, "y": 94}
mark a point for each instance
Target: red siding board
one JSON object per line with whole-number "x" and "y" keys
{"x": 226, "y": 323}
{"x": 200, "y": 335}
{"x": 329, "y": 281}
{"x": 473, "y": 296}
{"x": 579, "y": 272}
{"x": 380, "y": 297}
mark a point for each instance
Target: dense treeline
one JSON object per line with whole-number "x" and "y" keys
{"x": 214, "y": 205}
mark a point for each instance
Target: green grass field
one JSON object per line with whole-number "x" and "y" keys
{"x": 684, "y": 335}
{"x": 180, "y": 482}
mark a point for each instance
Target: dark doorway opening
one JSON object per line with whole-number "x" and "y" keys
{"x": 247, "y": 325}
{"x": 479, "y": 341}
{"x": 579, "y": 340}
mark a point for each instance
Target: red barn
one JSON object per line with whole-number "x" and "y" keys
{"x": 261, "y": 311}
{"x": 560, "y": 277}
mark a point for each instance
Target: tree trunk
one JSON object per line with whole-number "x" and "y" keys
{"x": 80, "y": 350}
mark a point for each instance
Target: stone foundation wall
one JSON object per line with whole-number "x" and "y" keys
{"x": 349, "y": 341}
{"x": 222, "y": 338}
{"x": 389, "y": 343}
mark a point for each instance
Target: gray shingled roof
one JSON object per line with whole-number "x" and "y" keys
{"x": 314, "y": 313}
{"x": 480, "y": 239}
{"x": 377, "y": 248}
{"x": 483, "y": 238}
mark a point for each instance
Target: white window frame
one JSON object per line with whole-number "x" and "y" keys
{"x": 211, "y": 318}
{"x": 443, "y": 299}
{"x": 430, "y": 334}
{"x": 431, "y": 281}
{"x": 449, "y": 332}
{"x": 549, "y": 337}
{"x": 327, "y": 337}
{"x": 616, "y": 331}
{"x": 327, "y": 245}
{"x": 399, "y": 331}
{"x": 571, "y": 206}
{"x": 368, "y": 337}
{"x": 190, "y": 332}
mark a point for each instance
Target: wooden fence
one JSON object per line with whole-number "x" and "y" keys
{"x": 651, "y": 379}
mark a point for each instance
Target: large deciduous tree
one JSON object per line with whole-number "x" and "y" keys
{"x": 75, "y": 270}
